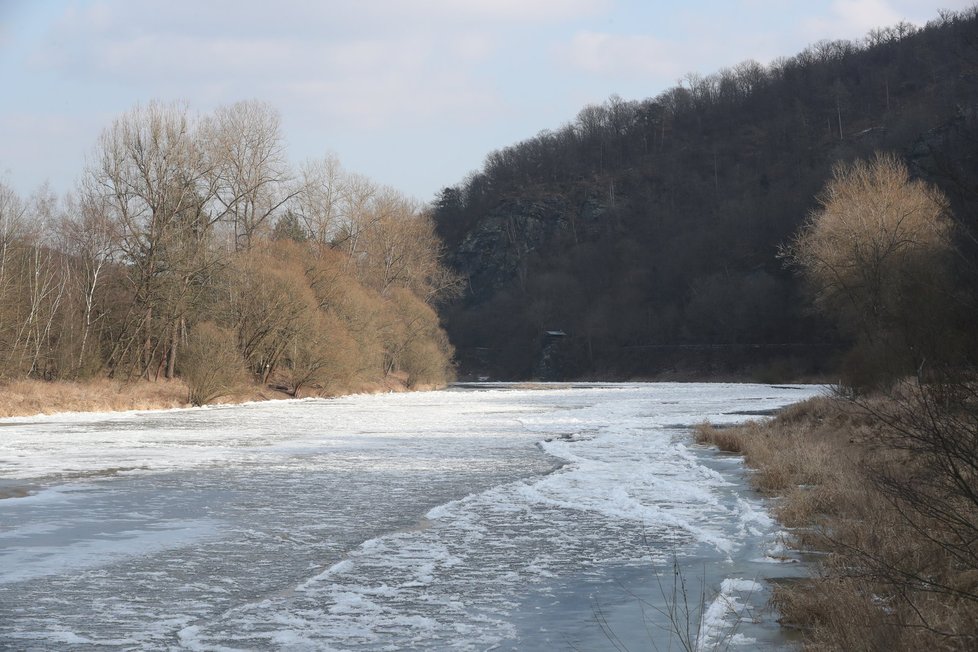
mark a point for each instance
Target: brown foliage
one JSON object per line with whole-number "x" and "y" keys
{"x": 722, "y": 438}
{"x": 875, "y": 256}
{"x": 269, "y": 305}
{"x": 322, "y": 359}
{"x": 414, "y": 341}
{"x": 27, "y": 397}
{"x": 161, "y": 263}
{"x": 872, "y": 222}
{"x": 886, "y": 488}
{"x": 212, "y": 366}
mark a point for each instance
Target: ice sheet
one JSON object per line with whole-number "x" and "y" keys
{"x": 410, "y": 521}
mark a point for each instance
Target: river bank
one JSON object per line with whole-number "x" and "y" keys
{"x": 859, "y": 485}
{"x": 22, "y": 398}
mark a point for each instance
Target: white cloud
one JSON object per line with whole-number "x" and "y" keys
{"x": 511, "y": 10}
{"x": 378, "y": 102}
{"x": 621, "y": 56}
{"x": 364, "y": 75}
{"x": 372, "y": 74}
{"x": 472, "y": 46}
{"x": 325, "y": 19}
{"x": 852, "y": 19}
{"x": 368, "y": 61}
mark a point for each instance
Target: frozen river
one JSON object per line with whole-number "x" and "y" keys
{"x": 480, "y": 517}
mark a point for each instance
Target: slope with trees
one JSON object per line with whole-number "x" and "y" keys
{"x": 649, "y": 231}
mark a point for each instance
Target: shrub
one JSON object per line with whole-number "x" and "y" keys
{"x": 212, "y": 366}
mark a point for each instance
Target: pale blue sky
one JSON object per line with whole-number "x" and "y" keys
{"x": 412, "y": 93}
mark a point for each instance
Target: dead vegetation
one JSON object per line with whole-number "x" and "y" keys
{"x": 30, "y": 397}
{"x": 27, "y": 397}
{"x": 887, "y": 489}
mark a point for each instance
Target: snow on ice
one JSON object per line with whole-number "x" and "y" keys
{"x": 464, "y": 519}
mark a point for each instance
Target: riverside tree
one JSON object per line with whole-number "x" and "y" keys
{"x": 250, "y": 174}
{"x": 153, "y": 172}
{"x": 875, "y": 255}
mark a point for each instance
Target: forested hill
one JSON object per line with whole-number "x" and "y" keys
{"x": 648, "y": 231}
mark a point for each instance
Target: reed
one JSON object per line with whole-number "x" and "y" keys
{"x": 895, "y": 574}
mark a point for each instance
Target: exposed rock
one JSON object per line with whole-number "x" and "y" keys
{"x": 502, "y": 244}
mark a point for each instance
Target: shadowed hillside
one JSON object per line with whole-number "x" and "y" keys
{"x": 648, "y": 231}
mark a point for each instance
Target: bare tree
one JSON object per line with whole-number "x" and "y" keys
{"x": 214, "y": 367}
{"x": 935, "y": 488}
{"x": 88, "y": 237}
{"x": 154, "y": 179}
{"x": 318, "y": 203}
{"x": 46, "y": 276}
{"x": 13, "y": 211}
{"x": 249, "y": 170}
{"x": 270, "y": 305}
{"x": 356, "y": 214}
{"x": 400, "y": 249}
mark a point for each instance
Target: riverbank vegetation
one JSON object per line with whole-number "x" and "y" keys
{"x": 192, "y": 249}
{"x": 29, "y": 396}
{"x": 882, "y": 489}
{"x": 882, "y": 479}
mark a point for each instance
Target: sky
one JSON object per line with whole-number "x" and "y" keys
{"x": 411, "y": 93}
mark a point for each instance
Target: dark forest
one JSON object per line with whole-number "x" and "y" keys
{"x": 645, "y": 235}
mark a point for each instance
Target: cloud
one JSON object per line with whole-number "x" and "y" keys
{"x": 471, "y": 47}
{"x": 513, "y": 10}
{"x": 346, "y": 59}
{"x": 864, "y": 15}
{"x": 366, "y": 62}
{"x": 365, "y": 104}
{"x": 300, "y": 19}
{"x": 374, "y": 74}
{"x": 616, "y": 55}
{"x": 852, "y": 19}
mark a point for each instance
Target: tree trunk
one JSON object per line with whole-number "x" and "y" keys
{"x": 171, "y": 362}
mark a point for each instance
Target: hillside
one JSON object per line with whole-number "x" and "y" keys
{"x": 647, "y": 232}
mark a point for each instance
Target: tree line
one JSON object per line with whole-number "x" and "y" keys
{"x": 649, "y": 230}
{"x": 192, "y": 246}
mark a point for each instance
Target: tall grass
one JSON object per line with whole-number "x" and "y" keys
{"x": 896, "y": 575}
{"x": 27, "y": 397}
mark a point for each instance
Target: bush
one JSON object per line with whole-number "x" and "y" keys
{"x": 414, "y": 341}
{"x": 322, "y": 358}
{"x": 211, "y": 365}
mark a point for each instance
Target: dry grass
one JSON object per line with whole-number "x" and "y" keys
{"x": 723, "y": 438}
{"x": 797, "y": 449}
{"x": 27, "y": 397}
{"x": 885, "y": 583}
